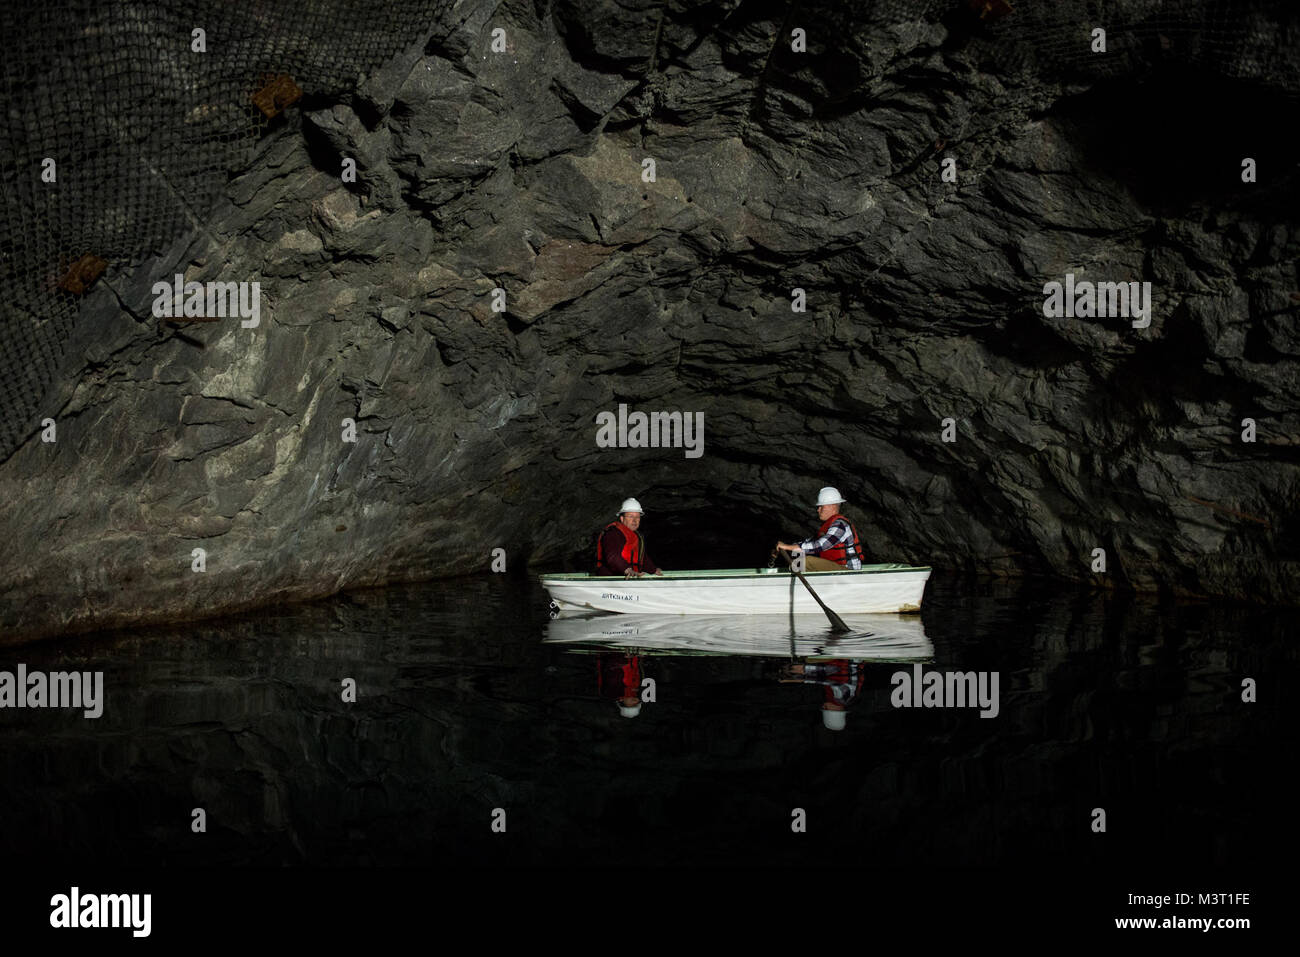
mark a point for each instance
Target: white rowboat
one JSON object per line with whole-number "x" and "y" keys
{"x": 873, "y": 589}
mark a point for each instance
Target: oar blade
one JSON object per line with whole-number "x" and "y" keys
{"x": 837, "y": 623}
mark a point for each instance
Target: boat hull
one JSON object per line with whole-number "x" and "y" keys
{"x": 877, "y": 589}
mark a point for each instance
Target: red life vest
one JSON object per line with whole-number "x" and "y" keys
{"x": 631, "y": 547}
{"x": 839, "y": 553}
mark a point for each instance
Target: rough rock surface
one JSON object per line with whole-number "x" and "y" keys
{"x": 775, "y": 170}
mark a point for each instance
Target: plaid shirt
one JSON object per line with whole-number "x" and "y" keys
{"x": 838, "y": 533}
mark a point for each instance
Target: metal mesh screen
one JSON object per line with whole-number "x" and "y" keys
{"x": 144, "y": 131}
{"x": 1241, "y": 39}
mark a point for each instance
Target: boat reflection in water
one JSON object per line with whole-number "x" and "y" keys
{"x": 870, "y": 638}
{"x": 812, "y": 653}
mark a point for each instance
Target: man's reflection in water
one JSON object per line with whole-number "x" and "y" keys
{"x": 841, "y": 681}
{"x": 619, "y": 678}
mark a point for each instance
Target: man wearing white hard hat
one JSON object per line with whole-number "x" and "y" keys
{"x": 621, "y": 549}
{"x": 836, "y": 546}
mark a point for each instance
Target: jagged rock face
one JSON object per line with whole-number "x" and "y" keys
{"x": 774, "y": 171}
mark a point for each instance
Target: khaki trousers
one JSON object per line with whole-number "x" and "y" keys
{"x": 811, "y": 563}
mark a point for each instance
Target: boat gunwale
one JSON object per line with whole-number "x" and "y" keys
{"x": 592, "y": 647}
{"x": 756, "y": 574}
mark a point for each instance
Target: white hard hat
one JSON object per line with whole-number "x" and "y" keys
{"x": 829, "y": 496}
{"x": 630, "y": 505}
{"x": 834, "y": 720}
{"x": 629, "y": 712}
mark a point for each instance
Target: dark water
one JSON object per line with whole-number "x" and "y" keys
{"x": 1105, "y": 702}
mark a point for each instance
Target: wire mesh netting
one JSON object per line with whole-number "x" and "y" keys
{"x": 1240, "y": 39}
{"x": 143, "y": 130}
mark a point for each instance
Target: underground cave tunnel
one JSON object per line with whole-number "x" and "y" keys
{"x": 299, "y": 552}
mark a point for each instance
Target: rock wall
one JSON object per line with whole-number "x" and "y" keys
{"x": 775, "y": 170}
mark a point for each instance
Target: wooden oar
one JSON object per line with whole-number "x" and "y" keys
{"x": 837, "y": 623}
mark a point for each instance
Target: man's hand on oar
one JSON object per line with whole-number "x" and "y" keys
{"x": 795, "y": 558}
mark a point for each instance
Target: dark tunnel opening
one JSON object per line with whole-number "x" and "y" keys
{"x": 1178, "y": 137}
{"x": 696, "y": 534}
{"x": 706, "y": 535}
{"x": 680, "y": 536}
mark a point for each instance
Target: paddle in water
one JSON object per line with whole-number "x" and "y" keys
{"x": 837, "y": 623}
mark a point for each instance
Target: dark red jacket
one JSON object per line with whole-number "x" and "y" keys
{"x": 620, "y": 548}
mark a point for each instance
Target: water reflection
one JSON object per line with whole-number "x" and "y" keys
{"x": 468, "y": 699}
{"x": 871, "y": 637}
{"x": 619, "y": 678}
{"x": 841, "y": 681}
{"x": 816, "y": 655}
